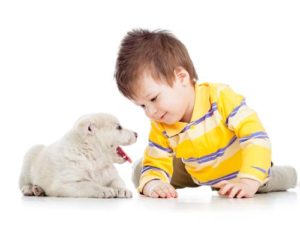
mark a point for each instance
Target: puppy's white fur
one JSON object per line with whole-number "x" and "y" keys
{"x": 81, "y": 163}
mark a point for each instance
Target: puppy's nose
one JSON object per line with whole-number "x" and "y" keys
{"x": 135, "y": 134}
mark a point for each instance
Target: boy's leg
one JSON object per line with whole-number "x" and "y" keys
{"x": 281, "y": 179}
{"x": 180, "y": 178}
{"x": 136, "y": 172}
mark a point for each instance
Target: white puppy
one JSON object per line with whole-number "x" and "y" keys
{"x": 81, "y": 163}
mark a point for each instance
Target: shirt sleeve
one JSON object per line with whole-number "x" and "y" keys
{"x": 158, "y": 158}
{"x": 253, "y": 139}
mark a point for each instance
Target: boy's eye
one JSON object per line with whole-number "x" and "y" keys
{"x": 143, "y": 106}
{"x": 119, "y": 127}
{"x": 153, "y": 99}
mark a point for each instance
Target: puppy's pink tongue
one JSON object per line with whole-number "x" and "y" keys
{"x": 121, "y": 152}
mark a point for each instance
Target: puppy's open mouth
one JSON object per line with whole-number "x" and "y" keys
{"x": 122, "y": 154}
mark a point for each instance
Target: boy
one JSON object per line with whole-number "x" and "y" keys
{"x": 201, "y": 134}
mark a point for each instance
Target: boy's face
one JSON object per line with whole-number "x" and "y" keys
{"x": 163, "y": 103}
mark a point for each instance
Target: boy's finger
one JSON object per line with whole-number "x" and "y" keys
{"x": 233, "y": 192}
{"x": 220, "y": 184}
{"x": 153, "y": 194}
{"x": 241, "y": 194}
{"x": 161, "y": 193}
{"x": 226, "y": 188}
{"x": 165, "y": 190}
{"x": 171, "y": 192}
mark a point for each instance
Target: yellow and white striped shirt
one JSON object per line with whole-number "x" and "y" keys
{"x": 224, "y": 140}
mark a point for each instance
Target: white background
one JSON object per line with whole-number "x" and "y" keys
{"x": 57, "y": 63}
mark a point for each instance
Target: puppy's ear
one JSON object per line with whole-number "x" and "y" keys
{"x": 90, "y": 128}
{"x": 86, "y": 127}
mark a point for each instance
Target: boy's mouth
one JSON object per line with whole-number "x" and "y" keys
{"x": 162, "y": 117}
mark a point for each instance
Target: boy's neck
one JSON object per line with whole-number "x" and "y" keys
{"x": 190, "y": 106}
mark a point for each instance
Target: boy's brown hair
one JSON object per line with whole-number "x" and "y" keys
{"x": 158, "y": 52}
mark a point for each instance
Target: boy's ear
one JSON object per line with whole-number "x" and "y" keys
{"x": 182, "y": 76}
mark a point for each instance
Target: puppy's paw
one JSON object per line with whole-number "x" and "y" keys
{"x": 38, "y": 191}
{"x": 123, "y": 193}
{"x": 27, "y": 190}
{"x": 106, "y": 193}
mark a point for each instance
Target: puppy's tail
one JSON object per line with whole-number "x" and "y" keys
{"x": 30, "y": 157}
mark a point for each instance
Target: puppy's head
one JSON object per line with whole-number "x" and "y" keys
{"x": 106, "y": 134}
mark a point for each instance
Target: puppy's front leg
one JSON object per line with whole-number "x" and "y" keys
{"x": 120, "y": 189}
{"x": 84, "y": 189}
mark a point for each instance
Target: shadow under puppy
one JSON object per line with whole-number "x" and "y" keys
{"x": 81, "y": 163}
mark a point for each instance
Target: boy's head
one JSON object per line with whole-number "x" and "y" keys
{"x": 149, "y": 60}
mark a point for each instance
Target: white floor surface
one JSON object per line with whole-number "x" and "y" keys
{"x": 197, "y": 207}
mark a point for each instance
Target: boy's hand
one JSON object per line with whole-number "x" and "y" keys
{"x": 243, "y": 188}
{"x": 157, "y": 188}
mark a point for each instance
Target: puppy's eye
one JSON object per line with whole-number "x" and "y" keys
{"x": 119, "y": 127}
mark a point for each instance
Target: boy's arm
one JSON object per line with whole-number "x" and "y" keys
{"x": 254, "y": 141}
{"x": 158, "y": 158}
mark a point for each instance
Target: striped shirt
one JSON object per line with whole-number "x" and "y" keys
{"x": 224, "y": 140}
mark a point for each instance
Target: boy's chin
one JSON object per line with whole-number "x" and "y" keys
{"x": 169, "y": 121}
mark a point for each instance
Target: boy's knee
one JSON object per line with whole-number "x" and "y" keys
{"x": 136, "y": 172}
